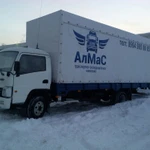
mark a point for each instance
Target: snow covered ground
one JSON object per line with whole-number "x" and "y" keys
{"x": 80, "y": 126}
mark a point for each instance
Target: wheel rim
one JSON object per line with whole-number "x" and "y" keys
{"x": 105, "y": 101}
{"x": 39, "y": 108}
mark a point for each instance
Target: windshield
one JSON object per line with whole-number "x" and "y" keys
{"x": 7, "y": 59}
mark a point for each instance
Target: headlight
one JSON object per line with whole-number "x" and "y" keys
{"x": 7, "y": 91}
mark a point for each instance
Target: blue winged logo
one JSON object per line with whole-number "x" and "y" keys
{"x": 102, "y": 43}
{"x": 80, "y": 38}
{"x": 91, "y": 41}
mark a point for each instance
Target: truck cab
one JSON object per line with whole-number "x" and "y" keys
{"x": 25, "y": 79}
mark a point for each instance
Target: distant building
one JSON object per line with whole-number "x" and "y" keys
{"x": 13, "y": 45}
{"x": 147, "y": 35}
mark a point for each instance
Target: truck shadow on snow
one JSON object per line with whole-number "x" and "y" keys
{"x": 66, "y": 107}
{"x": 76, "y": 106}
{"x": 54, "y": 109}
{"x": 72, "y": 106}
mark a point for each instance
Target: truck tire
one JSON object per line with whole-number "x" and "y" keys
{"x": 36, "y": 107}
{"x": 108, "y": 101}
{"x": 121, "y": 97}
{"x": 115, "y": 97}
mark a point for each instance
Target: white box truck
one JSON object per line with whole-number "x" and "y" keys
{"x": 71, "y": 56}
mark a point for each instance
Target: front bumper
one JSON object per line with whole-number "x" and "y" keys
{"x": 5, "y": 103}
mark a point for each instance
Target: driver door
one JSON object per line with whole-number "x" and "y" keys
{"x": 32, "y": 73}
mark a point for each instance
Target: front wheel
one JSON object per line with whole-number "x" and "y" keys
{"x": 36, "y": 107}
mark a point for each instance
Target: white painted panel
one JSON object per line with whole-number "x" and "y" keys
{"x": 85, "y": 56}
{"x": 114, "y": 63}
{"x": 46, "y": 32}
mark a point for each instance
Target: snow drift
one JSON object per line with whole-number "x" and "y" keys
{"x": 80, "y": 126}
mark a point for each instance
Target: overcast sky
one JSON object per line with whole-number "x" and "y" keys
{"x": 129, "y": 15}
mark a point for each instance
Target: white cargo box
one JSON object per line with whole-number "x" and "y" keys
{"x": 84, "y": 51}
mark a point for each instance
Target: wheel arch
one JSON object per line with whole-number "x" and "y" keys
{"x": 38, "y": 92}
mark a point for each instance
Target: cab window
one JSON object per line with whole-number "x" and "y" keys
{"x": 31, "y": 63}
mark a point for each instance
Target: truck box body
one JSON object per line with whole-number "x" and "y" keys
{"x": 85, "y": 51}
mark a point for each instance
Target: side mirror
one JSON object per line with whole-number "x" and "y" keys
{"x": 17, "y": 67}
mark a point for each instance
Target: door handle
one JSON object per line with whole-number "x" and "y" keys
{"x": 45, "y": 81}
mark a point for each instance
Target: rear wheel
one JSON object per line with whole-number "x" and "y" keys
{"x": 121, "y": 97}
{"x": 36, "y": 107}
{"x": 108, "y": 100}
{"x": 116, "y": 97}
